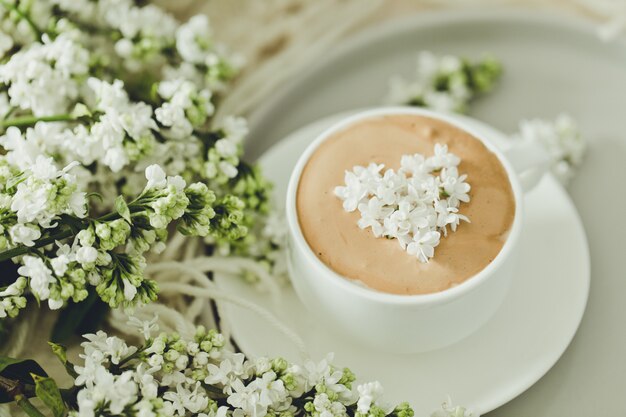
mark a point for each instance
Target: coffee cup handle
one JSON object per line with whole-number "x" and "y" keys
{"x": 530, "y": 161}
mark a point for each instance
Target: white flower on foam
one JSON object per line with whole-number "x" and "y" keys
{"x": 448, "y": 216}
{"x": 423, "y": 245}
{"x": 372, "y": 212}
{"x": 562, "y": 140}
{"x": 358, "y": 183}
{"x": 455, "y": 186}
{"x": 414, "y": 205}
{"x": 442, "y": 158}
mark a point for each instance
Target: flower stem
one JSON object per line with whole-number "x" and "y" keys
{"x": 38, "y": 33}
{"x": 28, "y": 407}
{"x": 14, "y": 390}
{"x": 31, "y": 120}
{"x": 62, "y": 234}
{"x": 21, "y": 250}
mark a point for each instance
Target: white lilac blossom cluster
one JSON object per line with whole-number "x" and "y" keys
{"x": 95, "y": 96}
{"x": 173, "y": 375}
{"x": 415, "y": 204}
{"x": 64, "y": 252}
{"x": 562, "y": 140}
{"x": 445, "y": 83}
{"x": 449, "y": 83}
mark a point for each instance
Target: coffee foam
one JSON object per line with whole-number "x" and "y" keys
{"x": 381, "y": 264}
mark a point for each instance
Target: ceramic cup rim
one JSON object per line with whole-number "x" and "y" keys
{"x": 335, "y": 279}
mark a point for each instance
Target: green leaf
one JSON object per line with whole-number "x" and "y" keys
{"x": 122, "y": 208}
{"x": 48, "y": 392}
{"x": 61, "y": 353}
{"x": 79, "y": 318}
{"x": 18, "y": 370}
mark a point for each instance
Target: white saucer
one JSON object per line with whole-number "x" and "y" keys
{"x": 510, "y": 353}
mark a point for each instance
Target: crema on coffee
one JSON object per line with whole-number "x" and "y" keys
{"x": 381, "y": 264}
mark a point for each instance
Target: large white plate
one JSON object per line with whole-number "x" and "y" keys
{"x": 552, "y": 64}
{"x": 483, "y": 371}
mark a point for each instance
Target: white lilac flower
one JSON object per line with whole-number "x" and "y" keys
{"x": 24, "y": 234}
{"x": 100, "y": 347}
{"x": 271, "y": 390}
{"x": 193, "y": 39}
{"x": 442, "y": 158}
{"x": 22, "y": 151}
{"x": 183, "y": 95}
{"x": 47, "y": 193}
{"x": 257, "y": 387}
{"x": 449, "y": 410}
{"x": 185, "y": 399}
{"x": 173, "y": 117}
{"x": 123, "y": 133}
{"x": 12, "y": 298}
{"x": 228, "y": 371}
{"x": 145, "y": 327}
{"x": 247, "y": 399}
{"x": 561, "y": 139}
{"x": 327, "y": 408}
{"x": 414, "y": 205}
{"x": 445, "y": 83}
{"x": 369, "y": 394}
{"x": 45, "y": 77}
{"x": 6, "y": 43}
{"x": 40, "y": 277}
{"x": 156, "y": 177}
{"x": 324, "y": 373}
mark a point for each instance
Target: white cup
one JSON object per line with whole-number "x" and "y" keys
{"x": 411, "y": 323}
